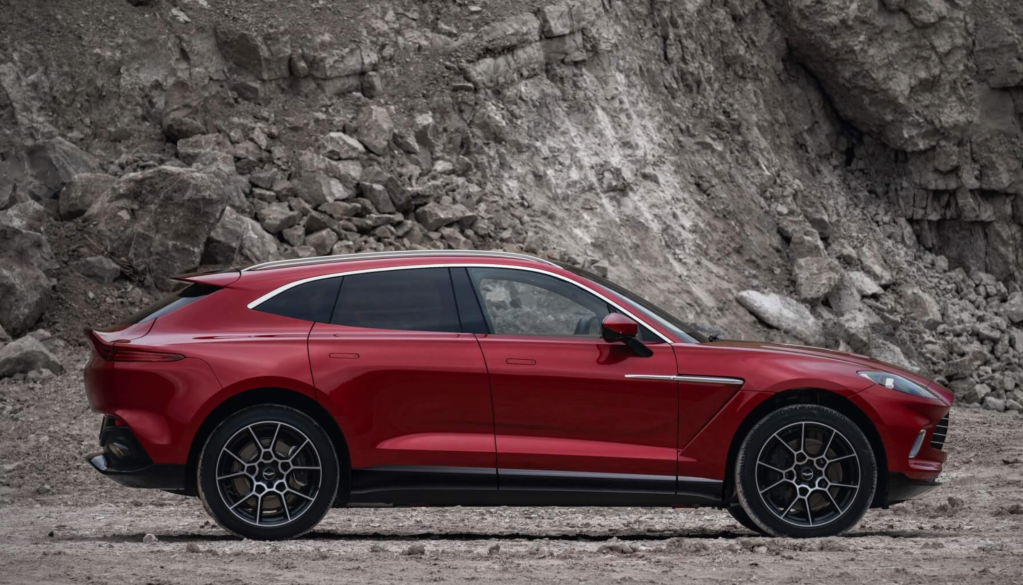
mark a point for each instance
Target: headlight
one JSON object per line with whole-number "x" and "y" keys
{"x": 898, "y": 383}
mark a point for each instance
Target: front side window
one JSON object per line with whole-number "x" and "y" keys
{"x": 420, "y": 299}
{"x": 517, "y": 302}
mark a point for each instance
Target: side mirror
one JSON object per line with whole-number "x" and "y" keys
{"x": 618, "y": 327}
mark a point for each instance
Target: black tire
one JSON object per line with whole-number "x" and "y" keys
{"x": 813, "y": 459}
{"x": 292, "y": 497}
{"x": 743, "y": 518}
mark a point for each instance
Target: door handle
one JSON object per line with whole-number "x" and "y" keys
{"x": 520, "y": 362}
{"x": 344, "y": 356}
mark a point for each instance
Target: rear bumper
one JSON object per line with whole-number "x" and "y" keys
{"x": 902, "y": 488}
{"x": 153, "y": 476}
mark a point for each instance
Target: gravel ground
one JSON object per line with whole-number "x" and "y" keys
{"x": 65, "y": 523}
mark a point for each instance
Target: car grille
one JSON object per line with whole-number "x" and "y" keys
{"x": 940, "y": 431}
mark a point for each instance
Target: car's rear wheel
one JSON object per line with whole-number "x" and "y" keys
{"x": 805, "y": 471}
{"x": 268, "y": 472}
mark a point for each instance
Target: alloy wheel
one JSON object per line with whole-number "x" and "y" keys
{"x": 268, "y": 473}
{"x": 808, "y": 474}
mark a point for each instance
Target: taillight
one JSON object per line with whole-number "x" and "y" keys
{"x": 116, "y": 352}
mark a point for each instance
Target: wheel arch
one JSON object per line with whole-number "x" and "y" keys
{"x": 820, "y": 397}
{"x": 263, "y": 396}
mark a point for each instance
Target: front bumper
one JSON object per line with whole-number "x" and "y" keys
{"x": 902, "y": 488}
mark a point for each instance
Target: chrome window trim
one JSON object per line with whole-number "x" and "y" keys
{"x": 315, "y": 260}
{"x": 602, "y": 297}
{"x": 690, "y": 379}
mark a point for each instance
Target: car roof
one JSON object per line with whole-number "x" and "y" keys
{"x": 398, "y": 254}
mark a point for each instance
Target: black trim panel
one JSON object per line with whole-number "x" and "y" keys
{"x": 153, "y": 476}
{"x": 901, "y": 488}
{"x": 469, "y": 486}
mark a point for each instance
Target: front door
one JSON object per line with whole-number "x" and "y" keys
{"x": 573, "y": 412}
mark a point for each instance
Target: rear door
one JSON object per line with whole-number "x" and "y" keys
{"x": 409, "y": 387}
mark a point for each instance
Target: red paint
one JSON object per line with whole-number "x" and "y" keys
{"x": 465, "y": 400}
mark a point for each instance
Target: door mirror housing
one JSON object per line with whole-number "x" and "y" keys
{"x": 618, "y": 327}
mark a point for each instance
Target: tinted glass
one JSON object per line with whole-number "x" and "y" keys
{"x": 189, "y": 294}
{"x": 518, "y": 302}
{"x": 420, "y": 299}
{"x": 312, "y": 301}
{"x": 680, "y": 328}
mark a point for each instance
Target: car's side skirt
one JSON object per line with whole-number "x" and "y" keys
{"x": 410, "y": 485}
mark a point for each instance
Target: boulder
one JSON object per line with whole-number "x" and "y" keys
{"x": 890, "y": 353}
{"x": 27, "y": 215}
{"x": 993, "y": 403}
{"x": 27, "y": 354}
{"x": 856, "y": 327}
{"x": 816, "y": 277}
{"x": 783, "y": 313}
{"x": 514, "y": 31}
{"x": 53, "y": 163}
{"x": 922, "y": 307}
{"x": 435, "y": 215}
{"x": 193, "y": 148}
{"x": 375, "y": 128}
{"x": 378, "y": 196}
{"x": 277, "y": 218}
{"x": 318, "y": 188}
{"x": 340, "y": 146}
{"x": 247, "y": 53}
{"x": 182, "y": 114}
{"x": 238, "y": 240}
{"x": 874, "y": 265}
{"x": 159, "y": 220}
{"x": 98, "y": 268}
{"x": 25, "y": 259}
{"x": 1014, "y": 307}
{"x": 864, "y": 284}
{"x": 79, "y": 194}
{"x": 322, "y": 241}
{"x": 846, "y": 297}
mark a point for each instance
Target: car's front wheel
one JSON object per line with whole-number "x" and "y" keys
{"x": 268, "y": 472}
{"x": 805, "y": 471}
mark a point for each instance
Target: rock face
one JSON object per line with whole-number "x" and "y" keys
{"x": 857, "y": 164}
{"x": 98, "y": 268}
{"x": 159, "y": 220}
{"x": 27, "y": 354}
{"x": 782, "y": 313}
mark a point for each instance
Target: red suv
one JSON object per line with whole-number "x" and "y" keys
{"x": 441, "y": 378}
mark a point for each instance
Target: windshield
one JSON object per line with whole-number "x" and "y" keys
{"x": 681, "y": 329}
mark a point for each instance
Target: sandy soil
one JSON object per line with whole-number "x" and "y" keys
{"x": 62, "y": 523}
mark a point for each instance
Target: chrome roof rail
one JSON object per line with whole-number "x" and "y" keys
{"x": 316, "y": 260}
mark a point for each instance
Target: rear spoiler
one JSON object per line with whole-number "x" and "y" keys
{"x": 217, "y": 278}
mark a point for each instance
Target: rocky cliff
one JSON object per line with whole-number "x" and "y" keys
{"x": 839, "y": 173}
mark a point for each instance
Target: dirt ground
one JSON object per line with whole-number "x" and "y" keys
{"x": 64, "y": 523}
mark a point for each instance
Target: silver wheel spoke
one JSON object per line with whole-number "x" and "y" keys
{"x": 237, "y": 458}
{"x": 843, "y": 485}
{"x": 250, "y": 494}
{"x": 259, "y": 444}
{"x": 230, "y": 475}
{"x": 305, "y": 468}
{"x": 284, "y": 504}
{"x": 771, "y": 467}
{"x": 809, "y": 512}
{"x": 299, "y": 494}
{"x": 299, "y": 450}
{"x": 841, "y": 458}
{"x": 787, "y": 446}
{"x": 273, "y": 441}
{"x": 773, "y": 485}
{"x": 833, "y": 502}
{"x": 259, "y": 508}
{"x": 824, "y": 453}
{"x": 786, "y": 512}
{"x": 802, "y": 438}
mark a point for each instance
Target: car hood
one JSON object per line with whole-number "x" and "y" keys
{"x": 858, "y": 360}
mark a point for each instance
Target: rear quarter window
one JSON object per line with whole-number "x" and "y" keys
{"x": 310, "y": 301}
